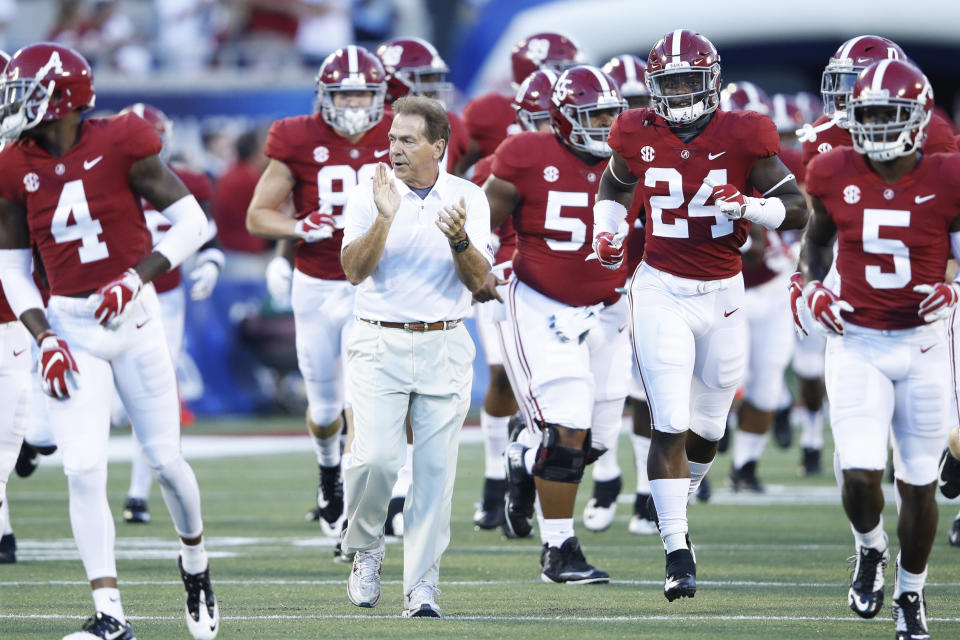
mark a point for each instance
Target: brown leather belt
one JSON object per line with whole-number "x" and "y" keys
{"x": 416, "y": 326}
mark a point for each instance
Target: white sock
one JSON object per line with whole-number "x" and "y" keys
{"x": 494, "y": 431}
{"x": 327, "y": 450}
{"x": 837, "y": 471}
{"x": 5, "y": 526}
{"x": 670, "y": 496}
{"x": 402, "y": 485}
{"x": 811, "y": 428}
{"x": 606, "y": 467}
{"x": 907, "y": 582}
{"x": 873, "y": 539}
{"x": 641, "y": 449}
{"x": 698, "y": 471}
{"x": 141, "y": 478}
{"x": 194, "y": 557}
{"x": 529, "y": 457}
{"x": 747, "y": 447}
{"x": 554, "y": 531}
{"x": 107, "y": 600}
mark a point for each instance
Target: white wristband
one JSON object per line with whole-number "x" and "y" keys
{"x": 768, "y": 212}
{"x": 188, "y": 232}
{"x": 608, "y": 215}
{"x": 16, "y": 273}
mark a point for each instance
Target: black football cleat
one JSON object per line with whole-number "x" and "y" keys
{"x": 8, "y": 549}
{"x": 949, "y": 478}
{"x": 567, "y": 565}
{"x": 782, "y": 429}
{"x": 394, "y": 524}
{"x": 520, "y": 495}
{"x": 953, "y": 537}
{"x": 100, "y": 625}
{"x": 489, "y": 514}
{"x": 29, "y": 457}
{"x": 865, "y": 596}
{"x": 745, "y": 478}
{"x": 810, "y": 463}
{"x": 202, "y": 610}
{"x": 910, "y": 615}
{"x": 681, "y": 574}
{"x": 136, "y": 511}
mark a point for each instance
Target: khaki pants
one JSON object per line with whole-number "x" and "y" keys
{"x": 391, "y": 370}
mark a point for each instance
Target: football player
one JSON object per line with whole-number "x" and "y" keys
{"x": 72, "y": 188}
{"x": 689, "y": 329}
{"x": 203, "y": 278}
{"x": 318, "y": 158}
{"x": 630, "y": 74}
{"x": 532, "y": 107}
{"x": 564, "y": 345}
{"x": 490, "y": 117}
{"x": 895, "y": 219}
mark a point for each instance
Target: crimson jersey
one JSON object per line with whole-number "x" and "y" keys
{"x": 325, "y": 166}
{"x": 199, "y": 185}
{"x": 684, "y": 235}
{"x": 490, "y": 118}
{"x": 6, "y": 313}
{"x": 505, "y": 232}
{"x": 554, "y": 221}
{"x": 939, "y": 138}
{"x": 891, "y": 237}
{"x": 459, "y": 140}
{"x": 84, "y": 218}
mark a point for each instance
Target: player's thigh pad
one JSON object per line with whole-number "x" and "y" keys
{"x": 15, "y": 392}
{"x": 771, "y": 342}
{"x": 807, "y": 361}
{"x": 173, "y": 307}
{"x": 552, "y": 378}
{"x": 487, "y": 315}
{"x": 610, "y": 352}
{"x": 321, "y": 308}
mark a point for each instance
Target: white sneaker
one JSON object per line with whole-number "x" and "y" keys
{"x": 596, "y": 518}
{"x": 363, "y": 585}
{"x": 640, "y": 526}
{"x": 421, "y": 602}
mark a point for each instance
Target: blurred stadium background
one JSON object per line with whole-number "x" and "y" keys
{"x": 222, "y": 68}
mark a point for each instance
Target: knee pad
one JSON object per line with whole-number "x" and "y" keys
{"x": 322, "y": 414}
{"x": 557, "y": 463}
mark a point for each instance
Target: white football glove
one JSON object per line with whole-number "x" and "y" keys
{"x": 279, "y": 280}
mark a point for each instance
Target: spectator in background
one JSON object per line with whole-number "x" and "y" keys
{"x": 246, "y": 254}
{"x": 219, "y": 150}
{"x": 268, "y": 33}
{"x": 185, "y": 38}
{"x": 8, "y": 12}
{"x": 325, "y": 26}
{"x": 104, "y": 34}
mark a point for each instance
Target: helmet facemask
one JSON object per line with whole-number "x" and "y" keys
{"x": 886, "y": 128}
{"x": 428, "y": 82}
{"x": 25, "y": 103}
{"x": 352, "y": 120}
{"x": 836, "y": 86}
{"x": 682, "y": 94}
{"x": 585, "y": 134}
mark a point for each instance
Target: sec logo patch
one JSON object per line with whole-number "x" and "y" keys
{"x": 321, "y": 154}
{"x": 551, "y": 173}
{"x": 851, "y": 194}
{"x": 824, "y": 147}
{"x": 31, "y": 182}
{"x": 647, "y": 154}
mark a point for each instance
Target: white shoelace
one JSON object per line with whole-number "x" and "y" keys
{"x": 422, "y": 592}
{"x": 368, "y": 565}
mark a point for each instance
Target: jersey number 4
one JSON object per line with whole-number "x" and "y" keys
{"x": 73, "y": 203}
{"x": 680, "y": 227}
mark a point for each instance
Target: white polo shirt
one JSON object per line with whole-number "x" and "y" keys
{"x": 415, "y": 279}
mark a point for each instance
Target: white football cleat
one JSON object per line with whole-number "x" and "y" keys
{"x": 598, "y": 518}
{"x": 640, "y": 526}
{"x": 202, "y": 610}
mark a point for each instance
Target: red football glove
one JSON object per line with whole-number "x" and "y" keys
{"x": 316, "y": 226}
{"x": 609, "y": 249}
{"x": 58, "y": 369}
{"x": 940, "y": 300}
{"x": 825, "y": 306}
{"x": 729, "y": 199}
{"x": 796, "y": 299}
{"x": 116, "y": 296}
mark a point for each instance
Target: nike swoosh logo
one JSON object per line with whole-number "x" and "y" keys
{"x": 18, "y": 353}
{"x": 727, "y": 314}
{"x": 620, "y": 330}
{"x": 861, "y": 604}
{"x": 714, "y": 156}
{"x": 116, "y": 634}
{"x": 925, "y": 349}
{"x": 380, "y": 154}
{"x": 140, "y": 324}
{"x": 90, "y": 164}
{"x": 922, "y": 199}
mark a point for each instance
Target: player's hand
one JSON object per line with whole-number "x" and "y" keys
{"x": 385, "y": 193}
{"x": 58, "y": 370}
{"x": 825, "y": 307}
{"x": 729, "y": 199}
{"x": 315, "y": 226}
{"x": 204, "y": 278}
{"x": 488, "y": 290}
{"x": 941, "y": 298}
{"x": 116, "y": 296}
{"x": 795, "y": 288}
{"x": 279, "y": 280}
{"x": 609, "y": 249}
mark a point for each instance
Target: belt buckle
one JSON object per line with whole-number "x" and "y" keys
{"x": 408, "y": 326}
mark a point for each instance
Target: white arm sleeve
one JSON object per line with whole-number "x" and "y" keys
{"x": 16, "y": 274}
{"x": 188, "y": 232}
{"x": 608, "y": 216}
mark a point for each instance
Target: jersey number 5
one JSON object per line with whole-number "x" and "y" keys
{"x": 673, "y": 201}
{"x": 73, "y": 201}
{"x": 873, "y": 219}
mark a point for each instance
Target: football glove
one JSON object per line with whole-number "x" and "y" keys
{"x": 825, "y": 307}
{"x": 941, "y": 298}
{"x": 729, "y": 200}
{"x": 115, "y": 298}
{"x": 315, "y": 226}
{"x": 58, "y": 370}
{"x": 795, "y": 288}
{"x": 279, "y": 280}
{"x": 609, "y": 249}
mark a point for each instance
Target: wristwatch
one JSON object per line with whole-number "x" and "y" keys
{"x": 460, "y": 247}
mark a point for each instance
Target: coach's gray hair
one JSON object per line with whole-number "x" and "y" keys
{"x": 436, "y": 123}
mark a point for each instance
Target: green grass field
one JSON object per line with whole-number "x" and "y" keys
{"x": 772, "y": 570}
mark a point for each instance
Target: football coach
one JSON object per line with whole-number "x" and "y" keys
{"x": 416, "y": 241}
